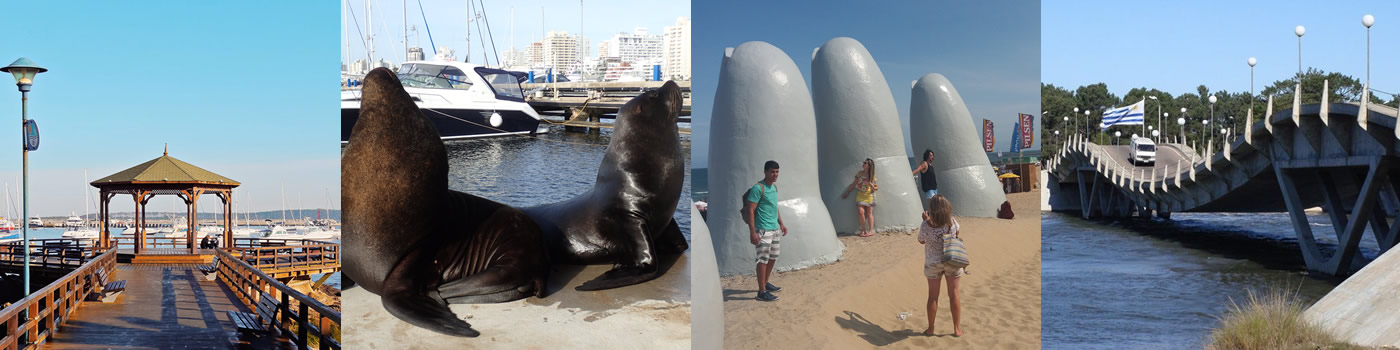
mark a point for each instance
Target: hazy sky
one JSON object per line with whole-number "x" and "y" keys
{"x": 1177, "y": 46}
{"x": 447, "y": 20}
{"x": 246, "y": 90}
{"x": 989, "y": 50}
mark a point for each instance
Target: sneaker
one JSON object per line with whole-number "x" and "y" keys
{"x": 772, "y": 288}
{"x": 766, "y": 296}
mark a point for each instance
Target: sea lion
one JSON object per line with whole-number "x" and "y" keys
{"x": 625, "y": 219}
{"x": 410, "y": 239}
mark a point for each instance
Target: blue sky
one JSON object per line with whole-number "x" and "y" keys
{"x": 447, "y": 20}
{"x": 1190, "y": 43}
{"x": 246, "y": 90}
{"x": 990, "y": 50}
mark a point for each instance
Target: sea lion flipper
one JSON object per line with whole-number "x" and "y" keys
{"x": 671, "y": 240}
{"x": 620, "y": 276}
{"x": 427, "y": 312}
{"x": 639, "y": 266}
{"x": 494, "y": 285}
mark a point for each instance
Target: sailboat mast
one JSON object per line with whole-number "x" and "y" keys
{"x": 284, "y": 202}
{"x": 468, "y": 56}
{"x": 369, "y": 34}
{"x": 405, "y": 31}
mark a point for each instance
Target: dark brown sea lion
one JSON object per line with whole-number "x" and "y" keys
{"x": 410, "y": 239}
{"x": 625, "y": 219}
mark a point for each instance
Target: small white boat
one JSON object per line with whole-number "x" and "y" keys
{"x": 82, "y": 233}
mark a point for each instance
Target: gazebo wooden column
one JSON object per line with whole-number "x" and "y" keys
{"x": 225, "y": 196}
{"x": 104, "y": 237}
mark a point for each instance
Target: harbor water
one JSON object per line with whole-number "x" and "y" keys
{"x": 526, "y": 171}
{"x": 1163, "y": 284}
{"x": 57, "y": 232}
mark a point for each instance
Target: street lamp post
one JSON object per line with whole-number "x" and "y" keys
{"x": 1067, "y": 128}
{"x": 1182, "y": 122}
{"x": 1212, "y": 110}
{"x": 1159, "y": 122}
{"x": 1367, "y": 21}
{"x": 1181, "y": 126}
{"x": 1159, "y": 110}
{"x": 1299, "y": 32}
{"x": 1086, "y": 122}
{"x": 1076, "y": 115}
{"x": 24, "y": 71}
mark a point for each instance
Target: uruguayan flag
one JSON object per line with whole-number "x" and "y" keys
{"x": 1126, "y": 115}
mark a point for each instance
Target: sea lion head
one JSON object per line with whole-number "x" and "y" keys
{"x": 393, "y": 180}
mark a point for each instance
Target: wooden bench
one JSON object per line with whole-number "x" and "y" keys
{"x": 109, "y": 290}
{"x": 211, "y": 271}
{"x": 259, "y": 323}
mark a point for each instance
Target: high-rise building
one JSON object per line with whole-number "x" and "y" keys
{"x": 637, "y": 48}
{"x": 603, "y": 50}
{"x": 585, "y": 47}
{"x": 536, "y": 53}
{"x": 677, "y": 42}
{"x": 561, "y": 50}
{"x": 415, "y": 53}
{"x": 513, "y": 58}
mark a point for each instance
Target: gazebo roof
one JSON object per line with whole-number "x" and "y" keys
{"x": 165, "y": 170}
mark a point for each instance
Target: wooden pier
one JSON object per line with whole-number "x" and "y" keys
{"x": 587, "y": 104}
{"x": 171, "y": 305}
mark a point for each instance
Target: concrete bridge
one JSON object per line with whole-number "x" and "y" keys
{"x": 1341, "y": 156}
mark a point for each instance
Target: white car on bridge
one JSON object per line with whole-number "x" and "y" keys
{"x": 1144, "y": 151}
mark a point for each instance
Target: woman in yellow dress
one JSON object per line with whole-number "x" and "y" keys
{"x": 865, "y": 186}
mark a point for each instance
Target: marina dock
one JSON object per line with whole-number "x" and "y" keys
{"x": 171, "y": 305}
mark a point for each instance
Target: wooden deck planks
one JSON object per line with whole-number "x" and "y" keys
{"x": 164, "y": 307}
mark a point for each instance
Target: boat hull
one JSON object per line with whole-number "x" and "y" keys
{"x": 453, "y": 123}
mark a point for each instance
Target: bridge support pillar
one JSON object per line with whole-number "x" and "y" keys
{"x": 1347, "y": 228}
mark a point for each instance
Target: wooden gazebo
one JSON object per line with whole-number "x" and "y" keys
{"x": 165, "y": 176}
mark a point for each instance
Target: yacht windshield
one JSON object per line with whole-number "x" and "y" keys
{"x": 505, "y": 84}
{"x": 433, "y": 77}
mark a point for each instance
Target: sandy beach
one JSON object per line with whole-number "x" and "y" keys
{"x": 651, "y": 315}
{"x": 854, "y": 303}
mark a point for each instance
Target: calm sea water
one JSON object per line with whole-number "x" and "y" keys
{"x": 524, "y": 172}
{"x": 1161, "y": 284}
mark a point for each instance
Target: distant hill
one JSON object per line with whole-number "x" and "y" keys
{"x": 204, "y": 216}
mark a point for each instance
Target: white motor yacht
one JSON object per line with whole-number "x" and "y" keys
{"x": 462, "y": 100}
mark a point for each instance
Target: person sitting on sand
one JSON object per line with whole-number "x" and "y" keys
{"x": 761, "y": 207}
{"x": 928, "y": 182}
{"x": 865, "y": 186}
{"x": 938, "y": 220}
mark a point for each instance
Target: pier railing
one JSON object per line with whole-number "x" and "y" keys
{"x": 129, "y": 243}
{"x": 309, "y": 255}
{"x": 306, "y": 322}
{"x": 50, "y": 253}
{"x": 32, "y": 320}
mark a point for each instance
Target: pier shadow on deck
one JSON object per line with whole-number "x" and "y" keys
{"x": 164, "y": 306}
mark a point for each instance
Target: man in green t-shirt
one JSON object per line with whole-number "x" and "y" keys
{"x": 765, "y": 222}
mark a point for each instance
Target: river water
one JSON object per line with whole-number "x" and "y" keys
{"x": 523, "y": 172}
{"x": 1162, "y": 284}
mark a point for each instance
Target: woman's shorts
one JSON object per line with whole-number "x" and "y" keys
{"x": 938, "y": 270}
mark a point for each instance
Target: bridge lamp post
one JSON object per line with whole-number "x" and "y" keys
{"x": 1299, "y": 32}
{"x": 1181, "y": 126}
{"x": 1205, "y": 129}
{"x": 24, "y": 71}
{"x": 1067, "y": 128}
{"x": 1116, "y": 135}
{"x": 1367, "y": 21}
{"x": 1212, "y": 109}
{"x": 1076, "y": 114}
{"x": 1159, "y": 109}
{"x": 1057, "y": 135}
{"x": 1086, "y": 120}
{"x": 1182, "y": 123}
{"x": 1159, "y": 121}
